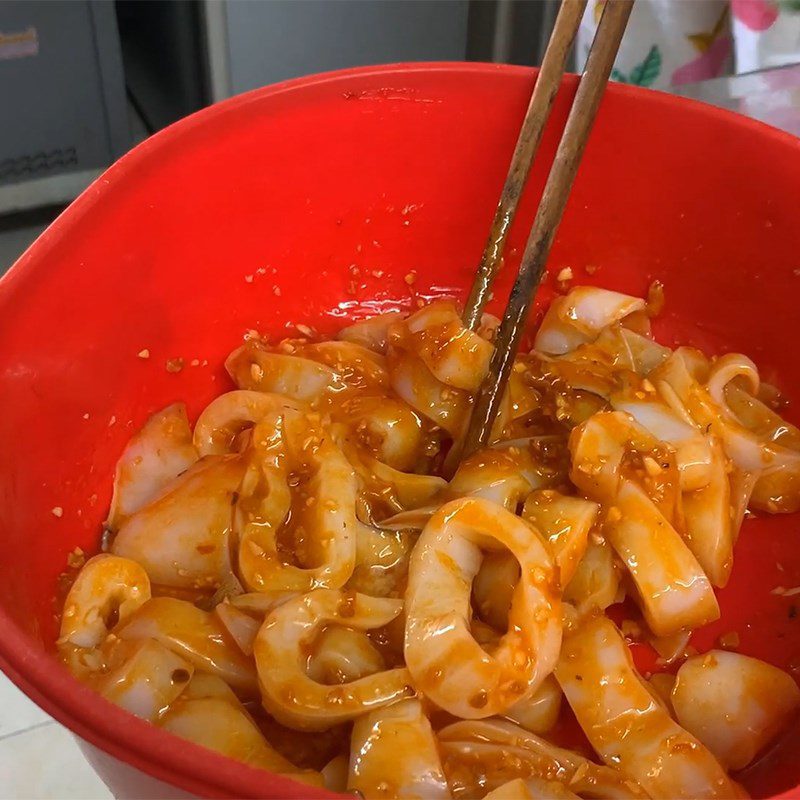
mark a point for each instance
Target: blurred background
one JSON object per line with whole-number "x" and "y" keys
{"x": 82, "y": 81}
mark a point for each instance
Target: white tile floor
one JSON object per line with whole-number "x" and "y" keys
{"x": 38, "y": 757}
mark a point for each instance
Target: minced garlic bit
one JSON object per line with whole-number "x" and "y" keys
{"x": 655, "y": 299}
{"x": 729, "y": 641}
{"x": 591, "y": 269}
{"x": 195, "y": 362}
{"x": 174, "y": 365}
{"x": 248, "y": 278}
{"x": 565, "y": 274}
{"x": 112, "y": 421}
{"x": 276, "y": 290}
{"x": 304, "y": 329}
{"x": 631, "y": 629}
{"x": 86, "y": 415}
{"x": 76, "y": 559}
{"x": 57, "y": 511}
{"x": 411, "y": 278}
{"x": 652, "y": 466}
{"x": 144, "y": 353}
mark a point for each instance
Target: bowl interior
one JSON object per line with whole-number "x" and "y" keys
{"x": 310, "y": 202}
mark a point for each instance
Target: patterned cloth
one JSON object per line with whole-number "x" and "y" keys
{"x": 674, "y": 42}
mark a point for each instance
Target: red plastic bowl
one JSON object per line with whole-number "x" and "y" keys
{"x": 332, "y": 189}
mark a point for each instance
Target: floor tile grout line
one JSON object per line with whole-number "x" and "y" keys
{"x": 34, "y": 727}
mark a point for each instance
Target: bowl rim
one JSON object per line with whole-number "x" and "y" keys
{"x": 34, "y": 670}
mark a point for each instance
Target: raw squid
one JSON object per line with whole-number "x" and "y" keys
{"x": 445, "y": 661}
{"x": 626, "y": 726}
{"x": 295, "y": 698}
{"x": 153, "y": 458}
{"x": 107, "y": 588}
{"x": 734, "y": 704}
{"x": 377, "y": 740}
{"x": 312, "y": 578}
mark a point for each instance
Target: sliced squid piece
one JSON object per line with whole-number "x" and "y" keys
{"x": 579, "y": 317}
{"x": 148, "y": 681}
{"x": 661, "y": 685}
{"x": 760, "y": 418}
{"x": 322, "y": 502}
{"x": 181, "y": 538}
{"x": 226, "y": 416}
{"x": 707, "y": 520}
{"x": 385, "y": 488}
{"x": 195, "y": 635}
{"x": 692, "y": 450}
{"x": 342, "y": 655}
{"x": 777, "y": 489}
{"x": 735, "y": 705}
{"x": 565, "y": 523}
{"x": 389, "y": 429}
{"x": 255, "y": 368}
{"x": 493, "y": 588}
{"x": 531, "y": 789}
{"x": 282, "y": 647}
{"x": 557, "y": 334}
{"x": 359, "y": 367}
{"x": 632, "y": 350}
{"x": 481, "y": 754}
{"x": 108, "y": 590}
{"x": 223, "y": 725}
{"x": 241, "y": 627}
{"x": 372, "y": 333}
{"x": 436, "y": 365}
{"x": 730, "y": 367}
{"x": 260, "y": 603}
{"x": 152, "y": 459}
{"x": 585, "y": 369}
{"x": 599, "y": 448}
{"x": 596, "y": 582}
{"x": 411, "y": 521}
{"x": 334, "y": 773}
{"x": 670, "y": 648}
{"x": 446, "y": 662}
{"x": 741, "y": 488}
{"x": 626, "y": 726}
{"x": 503, "y": 475}
{"x": 673, "y": 591}
{"x": 416, "y": 385}
{"x": 539, "y": 712}
{"x": 394, "y": 754}
{"x": 680, "y": 380}
{"x": 455, "y": 355}
{"x": 203, "y": 685}
{"x": 381, "y": 562}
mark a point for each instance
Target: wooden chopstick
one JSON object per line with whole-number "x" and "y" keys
{"x": 551, "y": 209}
{"x": 544, "y": 92}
